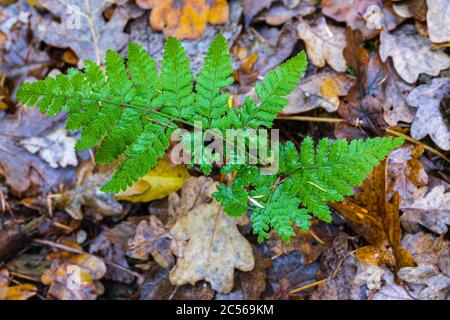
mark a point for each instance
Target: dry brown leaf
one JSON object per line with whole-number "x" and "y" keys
{"x": 82, "y": 27}
{"x": 18, "y": 292}
{"x": 324, "y": 43}
{"x": 86, "y": 194}
{"x": 151, "y": 238}
{"x": 214, "y": 247}
{"x": 429, "y": 120}
{"x": 426, "y": 248}
{"x": 416, "y": 9}
{"x": 437, "y": 285}
{"x": 319, "y": 90}
{"x": 253, "y": 7}
{"x": 359, "y": 15}
{"x": 412, "y": 53}
{"x": 438, "y": 20}
{"x": 185, "y": 19}
{"x": 74, "y": 276}
{"x": 430, "y": 210}
{"x": 378, "y": 221}
{"x": 406, "y": 173}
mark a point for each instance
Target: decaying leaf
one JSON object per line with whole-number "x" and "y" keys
{"x": 430, "y": 210}
{"x": 405, "y": 173}
{"x": 412, "y": 53}
{"x": 378, "y": 221}
{"x": 416, "y": 9}
{"x": 214, "y": 247}
{"x": 438, "y": 20}
{"x": 24, "y": 171}
{"x": 319, "y": 90}
{"x": 253, "y": 7}
{"x": 86, "y": 193}
{"x": 82, "y": 27}
{"x": 429, "y": 120}
{"x": 17, "y": 292}
{"x": 158, "y": 183}
{"x": 324, "y": 43}
{"x": 426, "y": 248}
{"x": 57, "y": 148}
{"x": 364, "y": 15}
{"x": 437, "y": 285}
{"x": 151, "y": 238}
{"x": 74, "y": 276}
{"x": 185, "y": 19}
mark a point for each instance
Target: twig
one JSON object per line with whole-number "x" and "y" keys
{"x": 311, "y": 119}
{"x": 408, "y": 138}
{"x": 308, "y": 286}
{"x": 73, "y": 250}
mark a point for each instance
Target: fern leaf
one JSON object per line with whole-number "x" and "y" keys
{"x": 176, "y": 81}
{"x": 215, "y": 75}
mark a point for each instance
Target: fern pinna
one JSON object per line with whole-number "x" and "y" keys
{"x": 129, "y": 110}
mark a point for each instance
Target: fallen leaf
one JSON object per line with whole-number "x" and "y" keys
{"x": 405, "y": 173}
{"x": 426, "y": 247}
{"x": 429, "y": 120}
{"x": 409, "y": 51}
{"x": 322, "y": 89}
{"x": 437, "y": 286}
{"x": 151, "y": 238}
{"x": 324, "y": 43}
{"x": 391, "y": 290}
{"x": 430, "y": 210}
{"x": 153, "y": 41}
{"x": 186, "y": 19}
{"x": 253, "y": 7}
{"x": 214, "y": 247}
{"x": 23, "y": 171}
{"x": 378, "y": 221}
{"x": 74, "y": 276}
{"x": 438, "y": 20}
{"x": 18, "y": 292}
{"x": 57, "y": 148}
{"x": 86, "y": 194}
{"x": 82, "y": 27}
{"x": 355, "y": 13}
{"x": 158, "y": 183}
{"x": 416, "y": 9}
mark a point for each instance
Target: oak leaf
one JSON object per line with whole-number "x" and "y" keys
{"x": 428, "y": 119}
{"x": 324, "y": 43}
{"x": 438, "y": 20}
{"x": 214, "y": 247}
{"x": 411, "y": 53}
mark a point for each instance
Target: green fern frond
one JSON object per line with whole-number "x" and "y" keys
{"x": 211, "y": 103}
{"x": 176, "y": 81}
{"x": 128, "y": 112}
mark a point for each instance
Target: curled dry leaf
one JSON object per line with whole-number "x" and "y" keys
{"x": 214, "y": 247}
{"x": 151, "y": 238}
{"x": 324, "y": 43}
{"x": 429, "y": 120}
{"x": 412, "y": 53}
{"x": 319, "y": 90}
{"x": 416, "y": 9}
{"x": 430, "y": 210}
{"x": 57, "y": 148}
{"x": 82, "y": 27}
{"x": 437, "y": 285}
{"x": 18, "y": 292}
{"x": 253, "y": 7}
{"x": 158, "y": 183}
{"x": 86, "y": 193}
{"x": 74, "y": 276}
{"x": 186, "y": 19}
{"x": 438, "y": 20}
{"x": 24, "y": 171}
{"x": 363, "y": 15}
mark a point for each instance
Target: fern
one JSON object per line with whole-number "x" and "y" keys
{"x": 128, "y": 111}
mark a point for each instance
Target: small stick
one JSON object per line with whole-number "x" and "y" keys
{"x": 308, "y": 286}
{"x": 311, "y": 119}
{"x": 408, "y": 138}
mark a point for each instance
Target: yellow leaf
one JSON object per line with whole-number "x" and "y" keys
{"x": 157, "y": 183}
